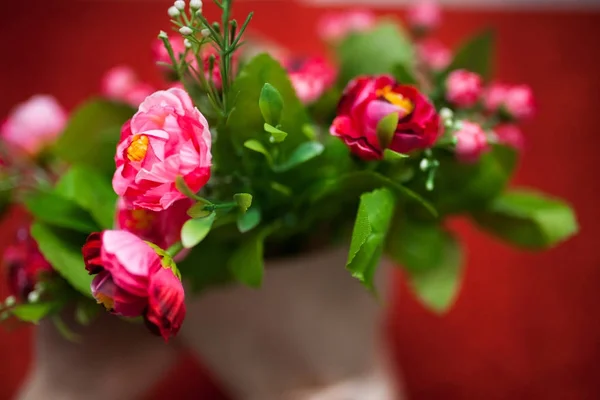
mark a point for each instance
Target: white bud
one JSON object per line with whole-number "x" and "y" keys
{"x": 424, "y": 164}
{"x": 205, "y": 32}
{"x": 173, "y": 12}
{"x": 10, "y": 301}
{"x": 187, "y": 43}
{"x": 180, "y": 5}
{"x": 163, "y": 35}
{"x": 186, "y": 30}
{"x": 458, "y": 125}
{"x": 33, "y": 297}
{"x": 446, "y": 113}
{"x": 195, "y": 4}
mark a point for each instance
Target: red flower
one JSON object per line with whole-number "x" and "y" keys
{"x": 134, "y": 278}
{"x": 25, "y": 265}
{"x": 311, "y": 77}
{"x": 366, "y": 100}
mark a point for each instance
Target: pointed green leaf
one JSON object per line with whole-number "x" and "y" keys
{"x": 305, "y": 152}
{"x": 392, "y": 156}
{"x": 249, "y": 220}
{"x": 56, "y": 210}
{"x": 271, "y": 104}
{"x": 198, "y": 210}
{"x": 528, "y": 219}
{"x": 476, "y": 55}
{"x": 375, "y": 212}
{"x": 62, "y": 248}
{"x": 258, "y": 147}
{"x": 277, "y": 135}
{"x": 386, "y": 128}
{"x": 195, "y": 230}
{"x": 34, "y": 312}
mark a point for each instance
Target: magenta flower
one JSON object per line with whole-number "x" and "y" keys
{"x": 34, "y": 125}
{"x": 424, "y": 15}
{"x": 168, "y": 137}
{"x": 133, "y": 280}
{"x": 517, "y": 101}
{"x": 311, "y": 77}
{"x": 463, "y": 88}
{"x": 122, "y": 84}
{"x": 471, "y": 142}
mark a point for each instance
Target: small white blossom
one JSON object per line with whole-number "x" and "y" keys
{"x": 458, "y": 125}
{"x": 33, "y": 297}
{"x": 446, "y": 113}
{"x": 163, "y": 35}
{"x": 187, "y": 43}
{"x": 205, "y": 32}
{"x": 180, "y": 5}
{"x": 186, "y": 30}
{"x": 10, "y": 301}
{"x": 174, "y": 12}
{"x": 195, "y": 4}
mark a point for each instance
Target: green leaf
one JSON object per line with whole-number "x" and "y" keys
{"x": 247, "y": 264}
{"x": 243, "y": 200}
{"x": 375, "y": 212}
{"x": 198, "y": 210}
{"x": 195, "y": 230}
{"x": 34, "y": 312}
{"x": 92, "y": 191}
{"x": 404, "y": 74}
{"x": 249, "y": 220}
{"x": 528, "y": 219}
{"x": 305, "y": 152}
{"x": 378, "y": 51}
{"x": 392, "y": 156}
{"x": 62, "y": 248}
{"x": 258, "y": 147}
{"x": 277, "y": 135}
{"x": 56, "y": 210}
{"x": 386, "y": 128}
{"x": 476, "y": 55}
{"x": 92, "y": 134}
{"x": 246, "y": 121}
{"x": 86, "y": 311}
{"x": 271, "y": 104}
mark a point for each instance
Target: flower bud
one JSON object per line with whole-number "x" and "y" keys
{"x": 163, "y": 35}
{"x": 187, "y": 43}
{"x": 471, "y": 142}
{"x": 195, "y": 4}
{"x": 463, "y": 88}
{"x": 186, "y": 30}
{"x": 173, "y": 12}
{"x": 446, "y": 114}
{"x": 205, "y": 32}
{"x": 33, "y": 297}
{"x": 180, "y": 5}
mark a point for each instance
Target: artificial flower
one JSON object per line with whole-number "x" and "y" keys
{"x": 335, "y": 26}
{"x": 368, "y": 99}
{"x": 517, "y": 101}
{"x": 463, "y": 88}
{"x": 34, "y": 125}
{"x": 122, "y": 84}
{"x": 471, "y": 142}
{"x": 424, "y": 15}
{"x": 311, "y": 77}
{"x": 168, "y": 137}
{"x": 433, "y": 55}
{"x": 127, "y": 272}
{"x": 25, "y": 265}
{"x": 162, "y": 228}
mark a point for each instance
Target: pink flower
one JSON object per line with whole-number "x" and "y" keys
{"x": 311, "y": 77}
{"x": 471, "y": 142}
{"x": 133, "y": 280}
{"x": 367, "y": 100}
{"x": 433, "y": 55}
{"x": 515, "y": 100}
{"x": 25, "y": 265}
{"x": 463, "y": 88}
{"x": 122, "y": 84}
{"x": 424, "y": 15}
{"x": 510, "y": 135}
{"x": 336, "y": 26}
{"x": 520, "y": 102}
{"x": 168, "y": 137}
{"x": 162, "y": 228}
{"x": 34, "y": 125}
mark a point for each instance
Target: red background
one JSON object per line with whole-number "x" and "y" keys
{"x": 526, "y": 326}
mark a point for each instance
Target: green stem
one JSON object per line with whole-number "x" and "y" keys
{"x": 175, "y": 249}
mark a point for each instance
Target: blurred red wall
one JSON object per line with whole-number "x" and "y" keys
{"x": 526, "y": 326}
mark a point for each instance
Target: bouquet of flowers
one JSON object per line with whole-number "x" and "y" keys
{"x": 247, "y": 155}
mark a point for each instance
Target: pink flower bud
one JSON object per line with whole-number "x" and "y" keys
{"x": 463, "y": 88}
{"x": 311, "y": 77}
{"x": 471, "y": 142}
{"x": 122, "y": 84}
{"x": 520, "y": 102}
{"x": 336, "y": 26}
{"x": 424, "y": 15}
{"x": 34, "y": 125}
{"x": 510, "y": 135}
{"x": 433, "y": 55}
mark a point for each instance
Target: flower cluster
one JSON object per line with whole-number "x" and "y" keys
{"x": 235, "y": 157}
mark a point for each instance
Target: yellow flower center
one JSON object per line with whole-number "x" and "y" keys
{"x": 140, "y": 220}
{"x": 396, "y": 99}
{"x": 106, "y": 301}
{"x": 138, "y": 148}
